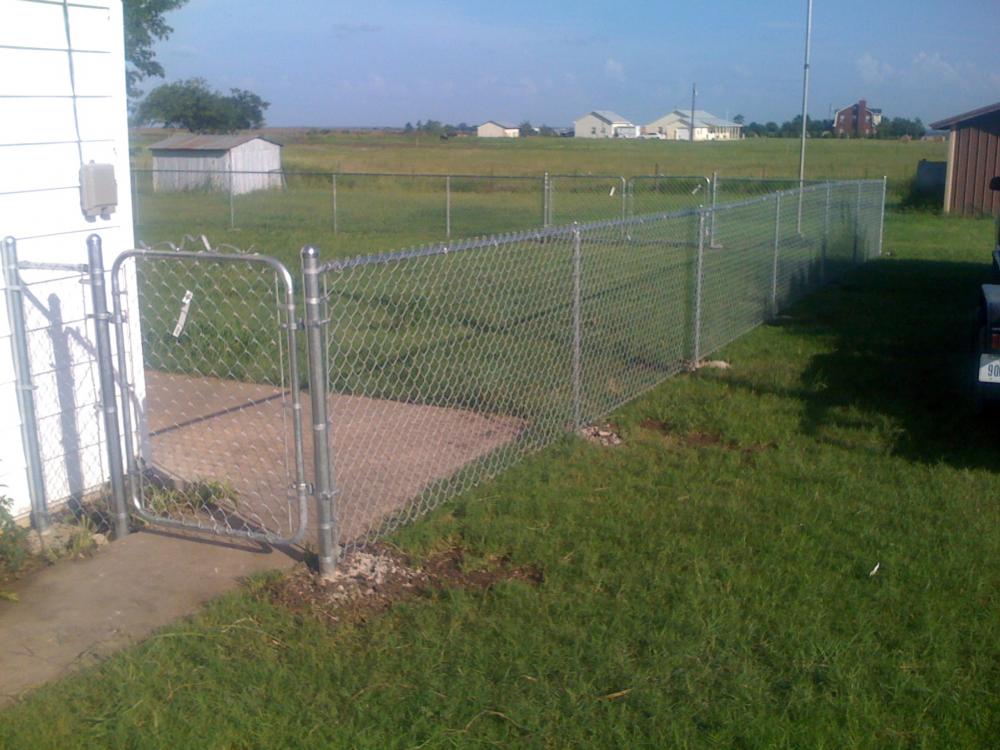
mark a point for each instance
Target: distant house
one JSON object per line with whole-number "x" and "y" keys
{"x": 973, "y": 159}
{"x": 604, "y": 124}
{"x": 237, "y": 163}
{"x": 676, "y": 126}
{"x": 857, "y": 120}
{"x": 494, "y": 129}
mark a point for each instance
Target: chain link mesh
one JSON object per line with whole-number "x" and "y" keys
{"x": 662, "y": 193}
{"x": 71, "y": 439}
{"x": 449, "y": 362}
{"x": 218, "y": 450}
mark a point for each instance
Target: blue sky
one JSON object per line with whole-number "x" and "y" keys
{"x": 375, "y": 63}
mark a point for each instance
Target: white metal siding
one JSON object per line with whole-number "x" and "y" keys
{"x": 492, "y": 130}
{"x": 62, "y": 93}
{"x": 590, "y": 126}
{"x": 199, "y": 169}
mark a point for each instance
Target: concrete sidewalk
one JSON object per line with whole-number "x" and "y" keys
{"x": 75, "y": 613}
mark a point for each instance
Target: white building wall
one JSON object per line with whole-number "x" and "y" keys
{"x": 62, "y": 88}
{"x": 260, "y": 157}
{"x": 591, "y": 126}
{"x": 493, "y": 130}
{"x": 200, "y": 169}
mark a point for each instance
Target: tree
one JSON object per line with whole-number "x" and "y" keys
{"x": 144, "y": 25}
{"x": 739, "y": 119}
{"x": 525, "y": 129}
{"x": 193, "y": 105}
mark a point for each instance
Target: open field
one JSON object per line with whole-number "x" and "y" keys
{"x": 707, "y": 583}
{"x": 376, "y": 214}
{"x": 755, "y": 157}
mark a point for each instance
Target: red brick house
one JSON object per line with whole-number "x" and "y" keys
{"x": 857, "y": 120}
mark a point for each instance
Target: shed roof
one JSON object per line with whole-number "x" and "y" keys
{"x": 196, "y": 142}
{"x": 702, "y": 119}
{"x": 612, "y": 118}
{"x": 505, "y": 125}
{"x": 951, "y": 122}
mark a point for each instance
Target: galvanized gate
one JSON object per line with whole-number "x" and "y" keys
{"x": 210, "y": 387}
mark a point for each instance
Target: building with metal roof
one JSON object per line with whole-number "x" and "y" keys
{"x": 603, "y": 123}
{"x": 973, "y": 159}
{"x": 497, "y": 129}
{"x": 676, "y": 126}
{"x": 235, "y": 163}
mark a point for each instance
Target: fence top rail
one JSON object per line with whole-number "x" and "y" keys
{"x": 564, "y": 231}
{"x": 211, "y": 256}
{"x": 334, "y": 173}
{"x": 669, "y": 177}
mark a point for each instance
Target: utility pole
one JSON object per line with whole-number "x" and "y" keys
{"x": 694, "y": 93}
{"x": 805, "y": 108}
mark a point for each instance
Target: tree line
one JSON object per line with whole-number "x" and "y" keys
{"x": 888, "y": 129}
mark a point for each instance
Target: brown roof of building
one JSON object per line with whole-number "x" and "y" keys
{"x": 958, "y": 119}
{"x": 196, "y": 142}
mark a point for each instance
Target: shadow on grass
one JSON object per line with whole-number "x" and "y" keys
{"x": 902, "y": 355}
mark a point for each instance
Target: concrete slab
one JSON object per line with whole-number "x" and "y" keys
{"x": 385, "y": 452}
{"x": 240, "y": 433}
{"x": 75, "y": 613}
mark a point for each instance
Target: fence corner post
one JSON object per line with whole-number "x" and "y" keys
{"x": 881, "y": 217}
{"x": 577, "y": 334}
{"x": 699, "y": 273}
{"x": 40, "y": 519}
{"x": 323, "y": 486}
{"x": 106, "y": 371}
{"x": 715, "y": 195}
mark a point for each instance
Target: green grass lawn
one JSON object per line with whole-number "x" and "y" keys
{"x": 707, "y": 583}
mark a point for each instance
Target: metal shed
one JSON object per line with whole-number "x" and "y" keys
{"x": 236, "y": 163}
{"x": 973, "y": 159}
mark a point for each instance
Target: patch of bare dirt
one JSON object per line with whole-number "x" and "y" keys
{"x": 370, "y": 580}
{"x": 601, "y": 434}
{"x": 700, "y": 439}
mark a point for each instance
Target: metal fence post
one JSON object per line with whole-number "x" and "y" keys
{"x": 447, "y": 206}
{"x": 881, "y": 216}
{"x": 232, "y": 204}
{"x": 136, "y": 219}
{"x": 699, "y": 270}
{"x": 109, "y": 400}
{"x": 774, "y": 268}
{"x": 857, "y": 226}
{"x": 577, "y": 362}
{"x": 624, "y": 191}
{"x": 546, "y": 198}
{"x": 824, "y": 246}
{"x": 333, "y": 181}
{"x": 323, "y": 487}
{"x": 119, "y": 316}
{"x": 25, "y": 388}
{"x": 715, "y": 193}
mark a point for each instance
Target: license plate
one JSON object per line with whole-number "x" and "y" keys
{"x": 989, "y": 368}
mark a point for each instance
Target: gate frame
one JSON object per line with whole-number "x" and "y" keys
{"x": 291, "y": 325}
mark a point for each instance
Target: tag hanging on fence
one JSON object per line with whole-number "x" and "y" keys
{"x": 611, "y": 193}
{"x": 182, "y": 318}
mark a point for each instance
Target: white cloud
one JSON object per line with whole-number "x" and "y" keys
{"x": 614, "y": 70}
{"x": 873, "y": 71}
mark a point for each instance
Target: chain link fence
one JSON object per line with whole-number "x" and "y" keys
{"x": 462, "y": 357}
{"x": 354, "y": 211}
{"x": 429, "y": 369}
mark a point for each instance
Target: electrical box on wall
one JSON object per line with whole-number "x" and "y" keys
{"x": 98, "y": 190}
